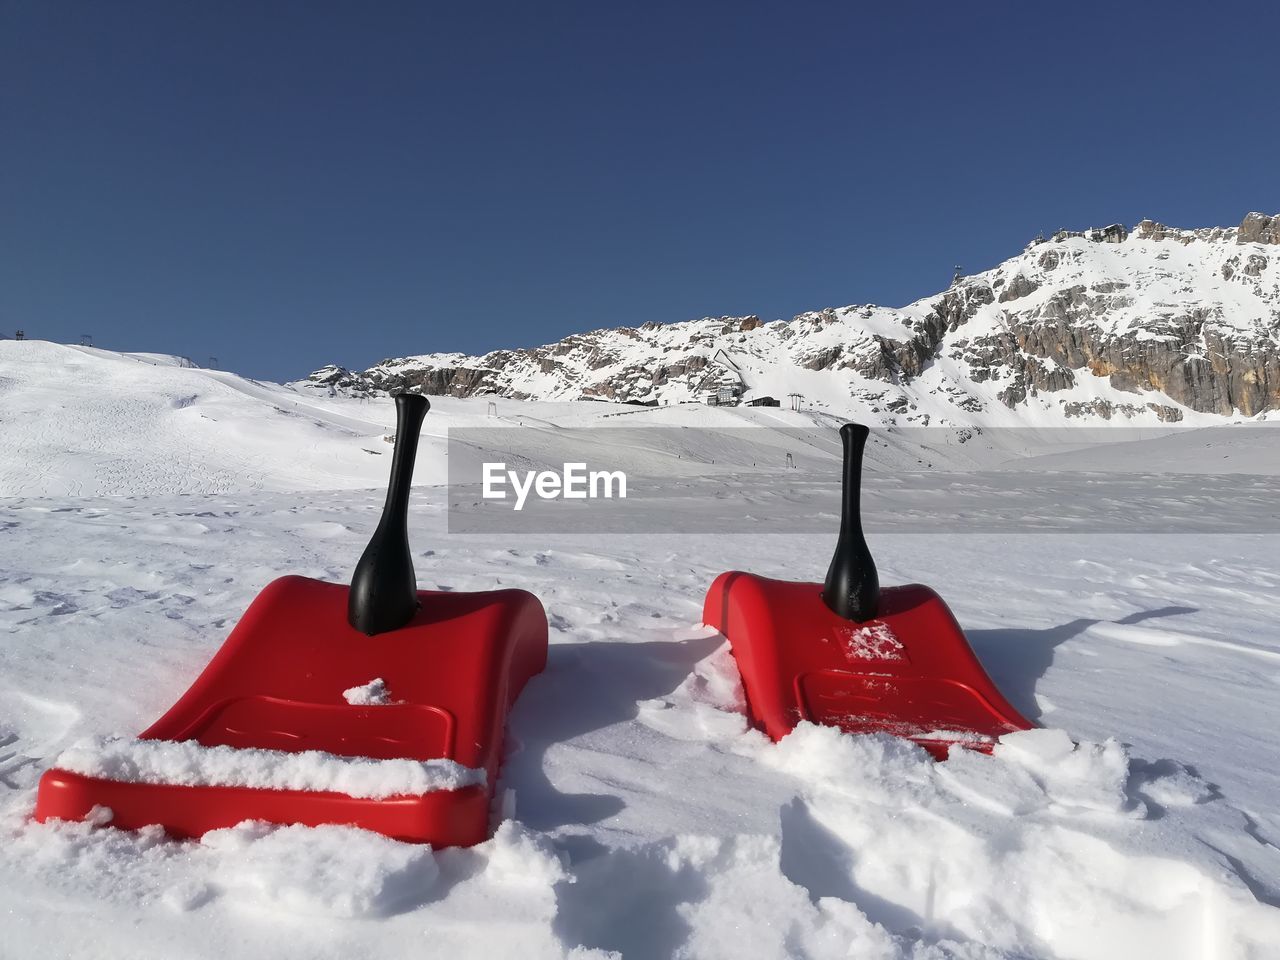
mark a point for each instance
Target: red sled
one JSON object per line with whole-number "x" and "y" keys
{"x": 851, "y": 655}
{"x": 452, "y": 665}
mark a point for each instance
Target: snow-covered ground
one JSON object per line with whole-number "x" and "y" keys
{"x": 642, "y": 818}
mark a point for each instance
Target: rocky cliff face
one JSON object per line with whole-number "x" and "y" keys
{"x": 1156, "y": 324}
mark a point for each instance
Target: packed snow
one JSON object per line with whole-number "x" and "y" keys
{"x": 191, "y": 764}
{"x": 875, "y": 641}
{"x": 371, "y": 694}
{"x": 640, "y": 815}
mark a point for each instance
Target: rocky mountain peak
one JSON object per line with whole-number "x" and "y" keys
{"x": 1150, "y": 324}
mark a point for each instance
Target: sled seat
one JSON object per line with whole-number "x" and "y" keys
{"x": 908, "y": 672}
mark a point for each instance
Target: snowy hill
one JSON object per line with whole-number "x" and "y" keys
{"x": 1145, "y": 326}
{"x": 79, "y": 421}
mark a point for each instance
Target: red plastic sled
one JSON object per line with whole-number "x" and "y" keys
{"x": 277, "y": 683}
{"x": 453, "y": 670}
{"x": 851, "y": 655}
{"x": 908, "y": 672}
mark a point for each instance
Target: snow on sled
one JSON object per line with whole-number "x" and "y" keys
{"x": 851, "y": 655}
{"x": 376, "y": 705}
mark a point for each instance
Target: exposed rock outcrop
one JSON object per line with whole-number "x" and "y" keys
{"x": 1259, "y": 228}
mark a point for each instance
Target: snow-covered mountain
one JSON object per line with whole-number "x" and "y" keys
{"x": 1151, "y": 325}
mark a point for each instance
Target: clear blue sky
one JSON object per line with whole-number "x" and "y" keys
{"x": 286, "y": 184}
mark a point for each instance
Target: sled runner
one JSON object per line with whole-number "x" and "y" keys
{"x": 852, "y": 655}
{"x": 298, "y": 674}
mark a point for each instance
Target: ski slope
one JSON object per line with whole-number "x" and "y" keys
{"x": 80, "y": 421}
{"x": 641, "y": 817}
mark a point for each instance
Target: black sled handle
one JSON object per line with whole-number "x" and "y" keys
{"x": 384, "y": 590}
{"x": 852, "y": 588}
